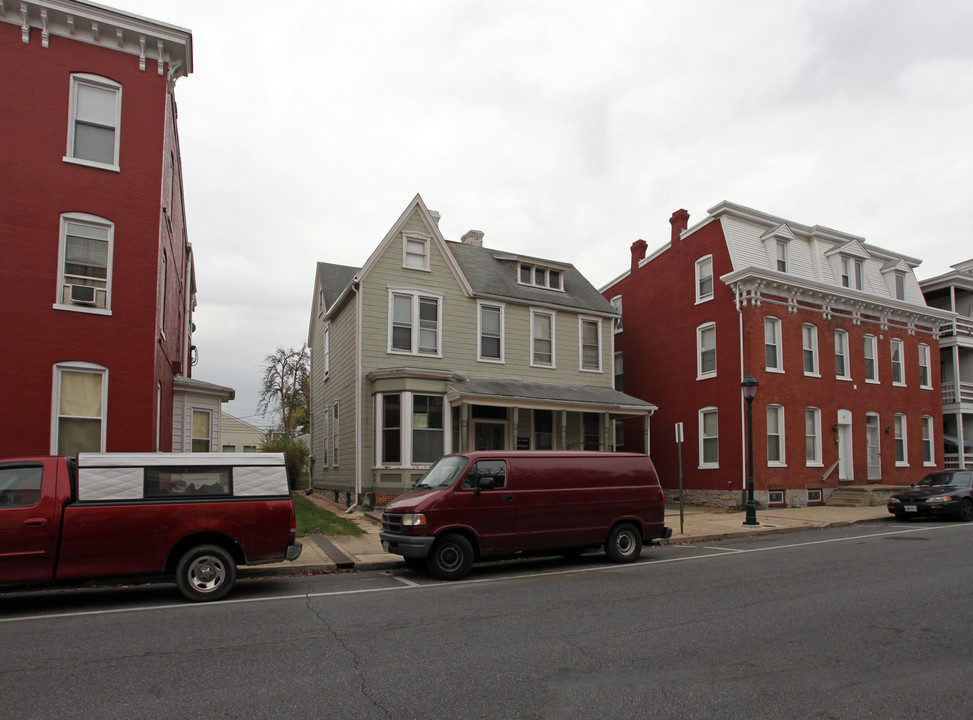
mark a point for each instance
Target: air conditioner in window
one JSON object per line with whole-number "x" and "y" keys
{"x": 83, "y": 294}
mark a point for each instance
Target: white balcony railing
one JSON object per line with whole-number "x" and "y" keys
{"x": 958, "y": 327}
{"x": 951, "y": 460}
{"x": 950, "y": 395}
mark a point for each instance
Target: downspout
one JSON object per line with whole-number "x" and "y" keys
{"x": 358, "y": 350}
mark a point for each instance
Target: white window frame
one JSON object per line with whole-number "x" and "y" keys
{"x": 703, "y": 463}
{"x": 782, "y": 460}
{"x": 334, "y": 434}
{"x": 81, "y": 367}
{"x": 92, "y": 221}
{"x": 617, "y": 306}
{"x": 209, "y": 428}
{"x": 812, "y": 437}
{"x": 99, "y": 83}
{"x": 500, "y": 308}
{"x": 809, "y": 339}
{"x": 582, "y": 321}
{"x": 553, "y": 316}
{"x": 417, "y": 297}
{"x": 841, "y": 349}
{"x": 700, "y": 349}
{"x": 898, "y": 281}
{"x": 900, "y": 435}
{"x": 775, "y": 323}
{"x": 425, "y": 241}
{"x": 702, "y": 265}
{"x": 782, "y": 256}
{"x": 852, "y": 272}
{"x": 870, "y": 344}
{"x": 897, "y": 350}
{"x": 549, "y": 283}
{"x": 326, "y": 352}
{"x": 925, "y": 362}
{"x": 928, "y": 448}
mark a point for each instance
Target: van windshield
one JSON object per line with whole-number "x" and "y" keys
{"x": 442, "y": 473}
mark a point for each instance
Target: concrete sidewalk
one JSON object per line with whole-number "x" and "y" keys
{"x": 698, "y": 524}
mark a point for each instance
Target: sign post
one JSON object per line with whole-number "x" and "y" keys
{"x": 679, "y": 444}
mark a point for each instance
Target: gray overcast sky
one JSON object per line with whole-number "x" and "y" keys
{"x": 562, "y": 129}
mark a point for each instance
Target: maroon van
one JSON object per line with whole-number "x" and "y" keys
{"x": 485, "y": 505}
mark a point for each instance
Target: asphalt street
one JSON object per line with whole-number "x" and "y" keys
{"x": 851, "y": 622}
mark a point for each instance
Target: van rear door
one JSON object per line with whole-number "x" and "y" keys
{"x": 28, "y": 531}
{"x": 490, "y": 511}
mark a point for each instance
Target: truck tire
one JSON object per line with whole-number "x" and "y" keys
{"x": 205, "y": 572}
{"x": 451, "y": 557}
{"x": 624, "y": 543}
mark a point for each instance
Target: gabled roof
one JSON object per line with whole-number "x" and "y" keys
{"x": 493, "y": 274}
{"x": 333, "y": 279}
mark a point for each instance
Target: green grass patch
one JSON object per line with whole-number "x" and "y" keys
{"x": 314, "y": 519}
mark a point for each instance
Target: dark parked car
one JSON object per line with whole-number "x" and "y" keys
{"x": 948, "y": 492}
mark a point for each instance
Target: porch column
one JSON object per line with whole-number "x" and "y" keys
{"x": 464, "y": 427}
{"x": 645, "y": 434}
{"x": 606, "y": 425}
{"x": 514, "y": 423}
{"x": 562, "y": 428}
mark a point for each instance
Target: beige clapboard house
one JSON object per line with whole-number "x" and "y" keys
{"x": 435, "y": 346}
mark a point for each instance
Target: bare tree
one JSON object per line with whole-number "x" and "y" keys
{"x": 286, "y": 387}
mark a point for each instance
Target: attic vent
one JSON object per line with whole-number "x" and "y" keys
{"x": 473, "y": 237}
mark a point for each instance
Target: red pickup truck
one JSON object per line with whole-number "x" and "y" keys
{"x": 194, "y": 515}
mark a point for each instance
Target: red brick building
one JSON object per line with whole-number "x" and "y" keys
{"x": 835, "y": 330}
{"x": 96, "y": 270}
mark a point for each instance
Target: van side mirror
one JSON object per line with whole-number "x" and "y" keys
{"x": 487, "y": 483}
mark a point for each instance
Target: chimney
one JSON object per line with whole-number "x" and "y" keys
{"x": 679, "y": 222}
{"x": 434, "y": 214}
{"x": 473, "y": 237}
{"x": 638, "y": 253}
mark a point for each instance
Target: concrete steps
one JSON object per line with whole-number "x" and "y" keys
{"x": 862, "y": 495}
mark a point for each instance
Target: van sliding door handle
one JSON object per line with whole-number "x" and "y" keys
{"x": 506, "y": 497}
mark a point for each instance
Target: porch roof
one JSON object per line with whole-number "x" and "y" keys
{"x": 587, "y": 398}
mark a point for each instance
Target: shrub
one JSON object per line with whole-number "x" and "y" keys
{"x": 295, "y": 456}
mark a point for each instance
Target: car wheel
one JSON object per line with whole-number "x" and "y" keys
{"x": 206, "y": 572}
{"x": 451, "y": 557}
{"x": 966, "y": 510}
{"x": 624, "y": 543}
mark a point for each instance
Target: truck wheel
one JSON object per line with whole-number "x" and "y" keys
{"x": 624, "y": 543}
{"x": 451, "y": 557}
{"x": 206, "y": 572}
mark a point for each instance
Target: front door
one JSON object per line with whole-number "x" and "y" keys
{"x": 842, "y": 436}
{"x": 489, "y": 435}
{"x": 873, "y": 448}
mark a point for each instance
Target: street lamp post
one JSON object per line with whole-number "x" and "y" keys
{"x": 749, "y": 387}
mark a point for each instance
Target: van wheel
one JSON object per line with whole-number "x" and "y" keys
{"x": 624, "y": 543}
{"x": 206, "y": 572}
{"x": 451, "y": 557}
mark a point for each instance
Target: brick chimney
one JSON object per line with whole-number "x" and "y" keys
{"x": 473, "y": 237}
{"x": 679, "y": 222}
{"x": 638, "y": 253}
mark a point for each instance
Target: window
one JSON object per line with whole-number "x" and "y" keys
{"x": 709, "y": 438}
{"x": 704, "y": 279}
{"x": 201, "y": 430}
{"x": 809, "y": 334}
{"x": 427, "y": 428}
{"x": 543, "y": 430}
{"x": 496, "y": 469}
{"x": 391, "y": 429}
{"x": 93, "y": 125}
{"x": 591, "y": 431}
{"x": 619, "y": 436}
{"x": 900, "y": 286}
{"x": 175, "y": 482}
{"x": 842, "y": 369}
{"x": 871, "y": 353}
{"x": 775, "y": 497}
{"x": 540, "y": 276}
{"x": 815, "y": 496}
{"x": 415, "y": 252}
{"x": 928, "y": 454}
{"x": 619, "y": 372}
{"x": 327, "y": 352}
{"x": 229, "y": 448}
{"x": 925, "y": 380}
{"x": 491, "y": 333}
{"x": 901, "y": 450}
{"x": 80, "y": 402}
{"x": 775, "y": 435}
{"x": 334, "y": 435}
{"x": 21, "y": 485}
{"x": 782, "y": 256}
{"x": 772, "y": 344}
{"x": 85, "y": 265}
{"x": 617, "y": 307}
{"x": 542, "y": 338}
{"x": 163, "y": 276}
{"x": 897, "y": 377}
{"x": 414, "y": 323}
{"x": 852, "y": 273}
{"x": 706, "y": 351}
{"x": 812, "y": 437}
{"x": 590, "y": 339}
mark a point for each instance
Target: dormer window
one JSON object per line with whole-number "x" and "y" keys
{"x": 415, "y": 252}
{"x": 852, "y": 272}
{"x": 900, "y": 285}
{"x": 782, "y": 256}
{"x": 541, "y": 276}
